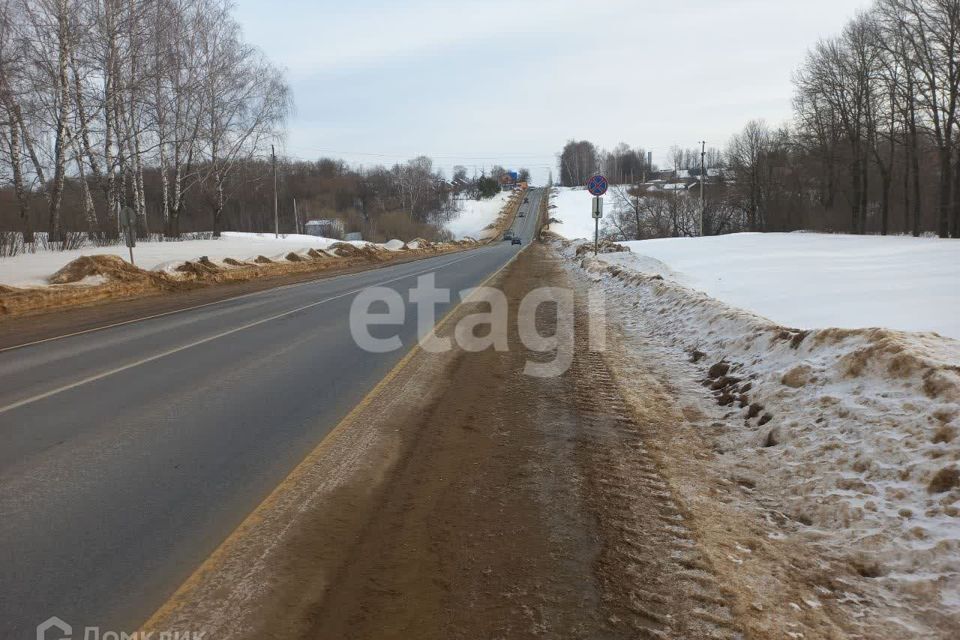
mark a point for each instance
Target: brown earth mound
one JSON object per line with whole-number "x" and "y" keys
{"x": 111, "y": 267}
{"x": 233, "y": 262}
{"x": 295, "y": 257}
{"x": 317, "y": 255}
{"x": 346, "y": 250}
{"x": 200, "y": 269}
{"x": 262, "y": 260}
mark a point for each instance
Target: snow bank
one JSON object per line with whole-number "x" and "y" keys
{"x": 475, "y": 216}
{"x": 854, "y": 433}
{"x": 818, "y": 281}
{"x": 33, "y": 269}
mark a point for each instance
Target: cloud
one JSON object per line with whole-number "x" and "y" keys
{"x": 353, "y": 36}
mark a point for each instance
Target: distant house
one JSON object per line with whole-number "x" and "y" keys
{"x": 326, "y": 228}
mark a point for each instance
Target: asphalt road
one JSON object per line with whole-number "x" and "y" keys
{"x": 128, "y": 454}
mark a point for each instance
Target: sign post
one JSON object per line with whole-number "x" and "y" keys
{"x": 128, "y": 222}
{"x": 597, "y": 186}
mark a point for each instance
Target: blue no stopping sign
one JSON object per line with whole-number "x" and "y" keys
{"x": 597, "y": 186}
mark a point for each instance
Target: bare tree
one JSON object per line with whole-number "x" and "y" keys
{"x": 748, "y": 159}
{"x": 245, "y": 100}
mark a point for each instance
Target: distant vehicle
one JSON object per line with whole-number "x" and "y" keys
{"x": 508, "y": 235}
{"x": 523, "y": 214}
{"x": 516, "y": 240}
{"x": 526, "y": 200}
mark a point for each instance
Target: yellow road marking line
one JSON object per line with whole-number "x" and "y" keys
{"x": 213, "y": 561}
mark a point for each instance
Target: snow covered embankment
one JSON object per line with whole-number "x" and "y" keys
{"x": 232, "y": 251}
{"x": 853, "y": 431}
{"x": 68, "y": 278}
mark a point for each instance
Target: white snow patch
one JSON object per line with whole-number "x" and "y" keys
{"x": 818, "y": 281}
{"x": 573, "y": 210}
{"x": 474, "y": 216}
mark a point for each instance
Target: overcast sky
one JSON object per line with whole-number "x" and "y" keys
{"x": 494, "y": 82}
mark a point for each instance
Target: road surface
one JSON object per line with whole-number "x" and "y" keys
{"x": 130, "y": 453}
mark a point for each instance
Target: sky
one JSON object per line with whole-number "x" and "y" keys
{"x": 479, "y": 83}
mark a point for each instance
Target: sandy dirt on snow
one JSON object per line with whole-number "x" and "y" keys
{"x": 845, "y": 438}
{"x": 467, "y": 500}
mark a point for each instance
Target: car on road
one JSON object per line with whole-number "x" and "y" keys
{"x": 516, "y": 240}
{"x": 508, "y": 235}
{"x": 526, "y": 200}
{"x": 523, "y": 215}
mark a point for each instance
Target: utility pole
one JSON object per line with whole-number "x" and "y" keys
{"x": 296, "y": 217}
{"x": 703, "y": 177}
{"x": 276, "y": 207}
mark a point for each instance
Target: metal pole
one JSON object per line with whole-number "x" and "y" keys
{"x": 596, "y": 229}
{"x": 296, "y": 217}
{"x": 276, "y": 214}
{"x": 703, "y": 177}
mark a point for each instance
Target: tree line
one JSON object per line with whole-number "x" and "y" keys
{"x": 872, "y": 147}
{"x": 104, "y": 101}
{"x": 405, "y": 200}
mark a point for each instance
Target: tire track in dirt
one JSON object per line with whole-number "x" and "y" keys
{"x": 653, "y": 577}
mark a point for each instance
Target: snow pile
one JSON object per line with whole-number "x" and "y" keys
{"x": 475, "y": 217}
{"x": 855, "y": 433}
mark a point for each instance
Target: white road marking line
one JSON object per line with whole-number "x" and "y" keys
{"x": 169, "y": 352}
{"x": 193, "y": 308}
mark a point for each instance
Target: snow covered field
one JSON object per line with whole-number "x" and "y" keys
{"x": 33, "y": 269}
{"x": 476, "y": 215}
{"x": 817, "y": 281}
{"x": 804, "y": 280}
